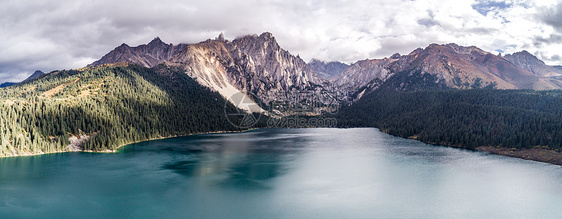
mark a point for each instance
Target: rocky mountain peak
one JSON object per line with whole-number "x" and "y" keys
{"x": 123, "y": 46}
{"x": 156, "y": 42}
{"x": 416, "y": 52}
{"x": 265, "y": 39}
{"x": 467, "y": 67}
{"x": 220, "y": 38}
{"x": 451, "y": 65}
{"x": 251, "y": 64}
{"x": 524, "y": 56}
{"x": 267, "y": 36}
{"x": 35, "y": 74}
{"x": 452, "y": 45}
{"x": 395, "y": 56}
{"x": 529, "y": 62}
{"x": 147, "y": 55}
{"x": 525, "y": 52}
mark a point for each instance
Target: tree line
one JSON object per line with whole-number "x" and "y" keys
{"x": 113, "y": 104}
{"x": 463, "y": 118}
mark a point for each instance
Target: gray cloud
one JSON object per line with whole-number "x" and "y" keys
{"x": 57, "y": 34}
{"x": 427, "y": 22}
{"x": 545, "y": 41}
{"x": 553, "y": 16}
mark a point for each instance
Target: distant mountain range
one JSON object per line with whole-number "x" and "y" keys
{"x": 7, "y": 84}
{"x": 453, "y": 66}
{"x": 259, "y": 67}
{"x": 35, "y": 74}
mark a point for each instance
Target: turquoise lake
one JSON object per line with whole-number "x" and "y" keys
{"x": 280, "y": 173}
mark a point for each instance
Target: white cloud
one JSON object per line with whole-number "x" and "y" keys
{"x": 58, "y": 34}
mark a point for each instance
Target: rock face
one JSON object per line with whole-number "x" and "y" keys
{"x": 529, "y": 62}
{"x": 256, "y": 66}
{"x": 327, "y": 70}
{"x": 261, "y": 67}
{"x": 452, "y": 65}
{"x": 209, "y": 63}
{"x": 251, "y": 68}
{"x": 463, "y": 67}
{"x": 362, "y": 72}
{"x": 148, "y": 55}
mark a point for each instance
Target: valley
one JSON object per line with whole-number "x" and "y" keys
{"x": 442, "y": 94}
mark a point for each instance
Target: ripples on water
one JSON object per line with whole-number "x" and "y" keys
{"x": 280, "y": 173}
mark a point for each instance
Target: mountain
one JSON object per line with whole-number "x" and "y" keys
{"x": 147, "y": 55}
{"x": 278, "y": 79}
{"x": 529, "y": 62}
{"x": 35, "y": 74}
{"x": 363, "y": 74}
{"x": 327, "y": 70}
{"x": 451, "y": 65}
{"x": 461, "y": 67}
{"x": 253, "y": 68}
{"x": 7, "y": 84}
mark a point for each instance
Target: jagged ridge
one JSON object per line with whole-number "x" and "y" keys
{"x": 456, "y": 66}
{"x": 257, "y": 66}
{"x": 529, "y": 62}
{"x": 327, "y": 70}
{"x": 148, "y": 55}
{"x": 253, "y": 65}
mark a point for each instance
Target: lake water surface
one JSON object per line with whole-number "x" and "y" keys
{"x": 280, "y": 173}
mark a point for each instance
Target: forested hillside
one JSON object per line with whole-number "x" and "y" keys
{"x": 463, "y": 118}
{"x": 112, "y": 104}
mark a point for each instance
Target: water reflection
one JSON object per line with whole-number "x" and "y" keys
{"x": 242, "y": 160}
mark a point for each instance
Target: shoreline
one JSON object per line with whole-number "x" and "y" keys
{"x": 120, "y": 146}
{"x": 538, "y": 154}
{"x": 175, "y": 136}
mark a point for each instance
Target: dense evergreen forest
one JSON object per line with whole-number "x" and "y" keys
{"x": 113, "y": 104}
{"x": 463, "y": 118}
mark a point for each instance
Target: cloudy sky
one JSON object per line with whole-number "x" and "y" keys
{"x": 59, "y": 34}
